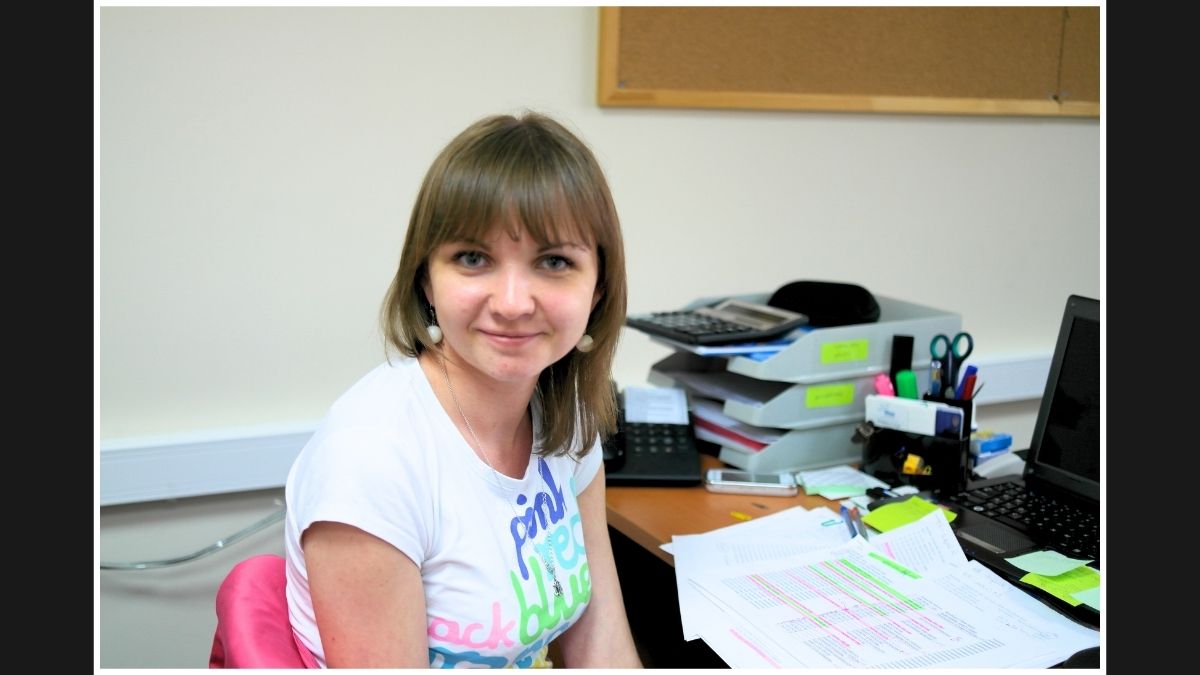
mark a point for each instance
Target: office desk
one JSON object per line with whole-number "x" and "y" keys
{"x": 650, "y": 515}
{"x": 640, "y": 520}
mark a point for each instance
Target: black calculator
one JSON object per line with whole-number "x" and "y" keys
{"x": 725, "y": 323}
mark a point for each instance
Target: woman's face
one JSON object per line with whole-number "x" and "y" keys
{"x": 510, "y": 308}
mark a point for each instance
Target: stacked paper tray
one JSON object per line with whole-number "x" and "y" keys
{"x": 800, "y": 405}
{"x": 799, "y": 451}
{"x": 857, "y": 350}
{"x": 765, "y": 403}
{"x": 765, "y": 449}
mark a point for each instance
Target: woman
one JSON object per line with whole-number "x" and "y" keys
{"x": 449, "y": 511}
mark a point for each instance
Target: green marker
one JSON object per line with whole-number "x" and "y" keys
{"x": 906, "y": 384}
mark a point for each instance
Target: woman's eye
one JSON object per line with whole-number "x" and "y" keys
{"x": 556, "y": 262}
{"x": 470, "y": 258}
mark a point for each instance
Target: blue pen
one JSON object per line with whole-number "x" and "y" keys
{"x": 862, "y": 529}
{"x": 971, "y": 370}
{"x": 849, "y": 521}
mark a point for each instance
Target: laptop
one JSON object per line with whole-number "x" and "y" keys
{"x": 1055, "y": 503}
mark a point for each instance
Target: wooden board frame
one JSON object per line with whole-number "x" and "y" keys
{"x": 1082, "y": 38}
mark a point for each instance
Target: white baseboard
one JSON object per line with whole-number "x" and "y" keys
{"x": 192, "y": 465}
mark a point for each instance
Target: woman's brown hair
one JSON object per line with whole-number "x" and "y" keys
{"x": 532, "y": 175}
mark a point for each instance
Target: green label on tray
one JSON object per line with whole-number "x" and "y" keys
{"x": 841, "y": 352}
{"x": 828, "y": 395}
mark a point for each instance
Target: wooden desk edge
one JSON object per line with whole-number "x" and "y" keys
{"x": 650, "y": 516}
{"x": 640, "y": 536}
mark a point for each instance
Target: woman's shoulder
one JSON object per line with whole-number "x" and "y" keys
{"x": 392, "y": 387}
{"x": 379, "y": 418}
{"x": 381, "y": 406}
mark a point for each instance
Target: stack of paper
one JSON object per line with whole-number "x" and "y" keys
{"x": 762, "y": 348}
{"x": 713, "y": 425}
{"x": 793, "y": 590}
{"x": 723, "y": 385}
{"x": 837, "y": 482}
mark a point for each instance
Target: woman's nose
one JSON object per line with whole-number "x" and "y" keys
{"x": 514, "y": 296}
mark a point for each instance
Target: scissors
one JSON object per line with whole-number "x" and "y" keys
{"x": 951, "y": 353}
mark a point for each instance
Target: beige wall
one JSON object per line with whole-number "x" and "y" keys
{"x": 257, "y": 167}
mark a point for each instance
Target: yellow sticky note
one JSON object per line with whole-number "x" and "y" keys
{"x": 845, "y": 351}
{"x": 1065, "y": 585}
{"x": 829, "y": 395}
{"x": 896, "y": 514}
{"x": 739, "y": 515}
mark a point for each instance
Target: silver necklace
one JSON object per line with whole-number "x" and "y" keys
{"x": 548, "y": 562}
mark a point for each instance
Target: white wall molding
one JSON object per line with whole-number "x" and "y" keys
{"x": 217, "y": 462}
{"x": 1011, "y": 378}
{"x": 192, "y": 465}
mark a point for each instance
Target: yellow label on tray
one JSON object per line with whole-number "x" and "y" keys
{"x": 829, "y": 395}
{"x": 842, "y": 352}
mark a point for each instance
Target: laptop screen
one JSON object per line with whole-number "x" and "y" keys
{"x": 1066, "y": 441}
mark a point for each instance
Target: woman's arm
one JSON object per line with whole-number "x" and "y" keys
{"x": 601, "y": 637}
{"x": 368, "y": 599}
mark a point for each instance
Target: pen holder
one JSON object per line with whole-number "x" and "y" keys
{"x": 935, "y": 463}
{"x": 966, "y": 406}
{"x": 925, "y": 462}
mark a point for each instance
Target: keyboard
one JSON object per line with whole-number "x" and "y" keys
{"x": 1051, "y": 521}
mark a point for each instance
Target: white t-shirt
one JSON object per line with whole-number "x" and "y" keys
{"x": 388, "y": 460}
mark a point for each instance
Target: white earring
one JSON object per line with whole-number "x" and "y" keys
{"x": 585, "y": 343}
{"x": 435, "y": 331}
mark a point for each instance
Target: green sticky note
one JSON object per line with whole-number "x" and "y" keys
{"x": 829, "y": 395}
{"x": 897, "y": 514}
{"x": 837, "y": 491}
{"x": 1065, "y": 585}
{"x": 841, "y": 352}
{"x": 1089, "y": 597}
{"x": 1046, "y": 563}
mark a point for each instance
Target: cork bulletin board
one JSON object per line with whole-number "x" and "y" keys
{"x": 941, "y": 60}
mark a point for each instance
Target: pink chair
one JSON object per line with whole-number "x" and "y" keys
{"x": 253, "y": 629}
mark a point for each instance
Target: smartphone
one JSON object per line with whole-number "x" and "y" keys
{"x": 746, "y": 483}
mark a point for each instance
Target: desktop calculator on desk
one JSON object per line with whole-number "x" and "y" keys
{"x": 727, "y": 322}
